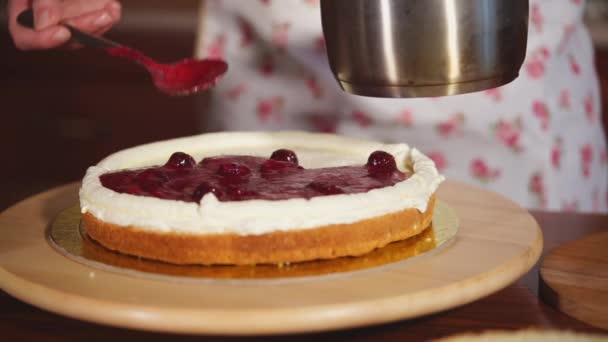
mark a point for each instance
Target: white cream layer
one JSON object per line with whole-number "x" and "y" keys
{"x": 258, "y": 216}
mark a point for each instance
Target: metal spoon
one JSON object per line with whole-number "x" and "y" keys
{"x": 181, "y": 78}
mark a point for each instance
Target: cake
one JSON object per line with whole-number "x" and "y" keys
{"x": 257, "y": 198}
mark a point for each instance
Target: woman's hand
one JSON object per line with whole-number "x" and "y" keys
{"x": 93, "y": 16}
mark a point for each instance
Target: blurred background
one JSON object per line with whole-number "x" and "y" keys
{"x": 62, "y": 111}
{"x": 65, "y": 110}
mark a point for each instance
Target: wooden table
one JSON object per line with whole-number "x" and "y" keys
{"x": 515, "y": 307}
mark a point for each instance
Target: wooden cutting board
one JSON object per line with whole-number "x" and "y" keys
{"x": 496, "y": 243}
{"x": 574, "y": 279}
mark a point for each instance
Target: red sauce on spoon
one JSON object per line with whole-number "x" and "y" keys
{"x": 181, "y": 78}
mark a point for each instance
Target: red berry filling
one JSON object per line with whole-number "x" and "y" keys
{"x": 237, "y": 178}
{"x": 325, "y": 188}
{"x": 203, "y": 189}
{"x": 233, "y": 170}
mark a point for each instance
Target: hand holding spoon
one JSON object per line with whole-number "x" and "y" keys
{"x": 181, "y": 78}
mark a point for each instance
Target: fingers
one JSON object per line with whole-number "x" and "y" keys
{"x": 94, "y": 22}
{"x": 97, "y": 21}
{"x": 76, "y": 8}
{"x": 115, "y": 10}
{"x": 28, "y": 39}
{"x": 93, "y": 16}
{"x": 17, "y": 6}
{"x": 44, "y": 39}
{"x": 47, "y": 13}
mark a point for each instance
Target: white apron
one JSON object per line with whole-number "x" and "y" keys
{"x": 539, "y": 140}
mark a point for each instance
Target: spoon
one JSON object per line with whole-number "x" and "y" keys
{"x": 180, "y": 78}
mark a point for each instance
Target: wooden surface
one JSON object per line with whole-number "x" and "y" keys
{"x": 512, "y": 308}
{"x": 574, "y": 279}
{"x": 515, "y": 307}
{"x": 501, "y": 238}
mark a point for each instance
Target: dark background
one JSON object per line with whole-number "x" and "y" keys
{"x": 62, "y": 111}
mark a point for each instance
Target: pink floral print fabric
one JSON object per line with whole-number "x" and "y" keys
{"x": 538, "y": 141}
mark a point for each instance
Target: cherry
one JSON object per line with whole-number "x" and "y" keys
{"x": 203, "y": 189}
{"x": 180, "y": 160}
{"x": 233, "y": 170}
{"x": 381, "y": 163}
{"x": 325, "y": 188}
{"x": 285, "y": 155}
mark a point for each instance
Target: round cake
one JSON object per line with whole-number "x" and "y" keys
{"x": 258, "y": 198}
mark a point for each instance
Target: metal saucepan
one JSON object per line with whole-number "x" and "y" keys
{"x": 416, "y": 48}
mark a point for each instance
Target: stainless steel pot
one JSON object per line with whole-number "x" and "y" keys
{"x": 417, "y": 48}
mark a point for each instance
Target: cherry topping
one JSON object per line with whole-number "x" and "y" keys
{"x": 239, "y": 178}
{"x": 120, "y": 179}
{"x": 276, "y": 165}
{"x": 153, "y": 175}
{"x": 151, "y": 179}
{"x": 203, "y": 189}
{"x": 233, "y": 170}
{"x": 325, "y": 188}
{"x": 160, "y": 192}
{"x": 381, "y": 163}
{"x": 180, "y": 160}
{"x": 285, "y": 155}
{"x": 240, "y": 193}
